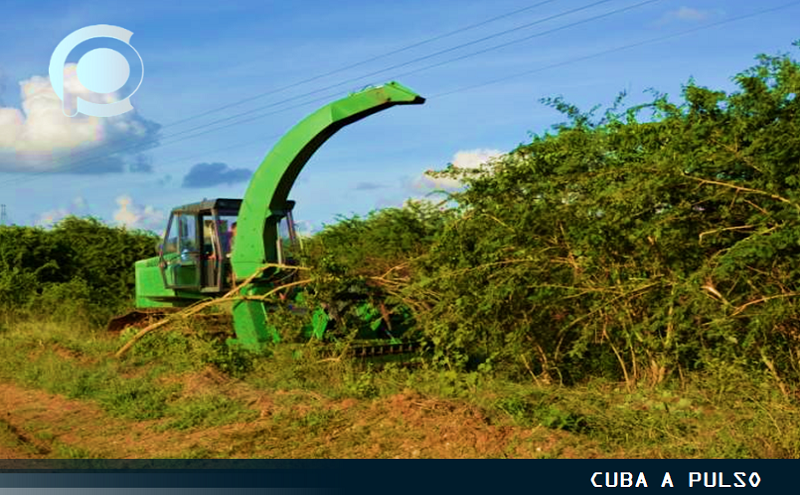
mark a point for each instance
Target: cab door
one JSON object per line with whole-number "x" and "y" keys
{"x": 213, "y": 257}
{"x": 180, "y": 257}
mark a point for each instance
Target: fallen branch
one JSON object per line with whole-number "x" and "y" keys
{"x": 200, "y": 305}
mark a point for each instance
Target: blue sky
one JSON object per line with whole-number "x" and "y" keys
{"x": 201, "y": 57}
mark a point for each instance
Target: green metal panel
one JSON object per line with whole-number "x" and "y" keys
{"x": 250, "y": 320}
{"x": 319, "y": 323}
{"x": 266, "y": 200}
{"x": 150, "y": 290}
{"x": 150, "y": 285}
{"x": 269, "y": 188}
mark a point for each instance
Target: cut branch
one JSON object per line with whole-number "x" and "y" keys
{"x": 200, "y": 305}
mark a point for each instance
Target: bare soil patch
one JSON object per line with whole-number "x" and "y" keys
{"x": 291, "y": 424}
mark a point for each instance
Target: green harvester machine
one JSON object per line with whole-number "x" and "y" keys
{"x": 211, "y": 245}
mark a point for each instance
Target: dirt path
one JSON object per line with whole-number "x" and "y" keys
{"x": 12, "y": 446}
{"x": 35, "y": 424}
{"x": 51, "y": 426}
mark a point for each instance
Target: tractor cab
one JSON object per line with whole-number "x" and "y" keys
{"x": 199, "y": 240}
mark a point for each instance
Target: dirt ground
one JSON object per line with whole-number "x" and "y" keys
{"x": 35, "y": 424}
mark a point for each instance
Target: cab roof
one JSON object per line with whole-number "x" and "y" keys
{"x": 210, "y": 204}
{"x": 219, "y": 204}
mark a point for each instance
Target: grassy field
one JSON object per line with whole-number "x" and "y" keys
{"x": 625, "y": 284}
{"x": 179, "y": 394}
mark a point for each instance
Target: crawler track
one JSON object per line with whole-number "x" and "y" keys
{"x": 140, "y": 318}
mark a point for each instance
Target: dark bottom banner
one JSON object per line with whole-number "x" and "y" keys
{"x": 405, "y": 477}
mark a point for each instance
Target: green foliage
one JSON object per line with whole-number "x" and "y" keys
{"x": 379, "y": 242}
{"x": 79, "y": 364}
{"x": 231, "y": 360}
{"x": 80, "y": 269}
{"x": 137, "y": 399}
{"x": 63, "y": 451}
{"x": 176, "y": 351}
{"x": 358, "y": 262}
{"x": 545, "y": 410}
{"x": 207, "y": 411}
{"x": 621, "y": 247}
{"x": 361, "y": 384}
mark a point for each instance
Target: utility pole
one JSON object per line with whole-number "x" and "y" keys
{"x": 3, "y": 216}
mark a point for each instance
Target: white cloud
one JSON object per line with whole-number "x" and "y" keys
{"x": 39, "y": 137}
{"x": 463, "y": 160}
{"x": 304, "y": 228}
{"x": 689, "y": 14}
{"x": 52, "y": 217}
{"x": 78, "y": 207}
{"x": 134, "y": 216}
{"x": 474, "y": 158}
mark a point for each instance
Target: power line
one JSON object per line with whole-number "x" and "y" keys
{"x": 409, "y": 62}
{"x": 526, "y": 38}
{"x": 571, "y": 61}
{"x": 618, "y": 49}
{"x": 348, "y": 81}
{"x": 363, "y": 62}
{"x": 257, "y": 109}
{"x": 560, "y": 64}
